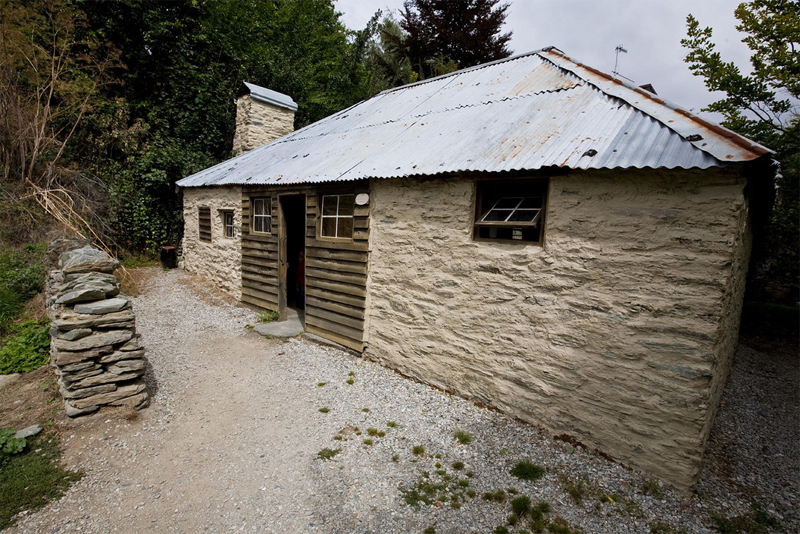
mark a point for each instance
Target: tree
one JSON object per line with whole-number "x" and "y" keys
{"x": 442, "y": 35}
{"x": 763, "y": 106}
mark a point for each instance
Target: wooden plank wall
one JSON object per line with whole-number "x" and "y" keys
{"x": 204, "y": 219}
{"x": 259, "y": 255}
{"x": 336, "y": 269}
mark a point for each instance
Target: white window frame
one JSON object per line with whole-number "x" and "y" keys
{"x": 262, "y": 220}
{"x": 336, "y": 217}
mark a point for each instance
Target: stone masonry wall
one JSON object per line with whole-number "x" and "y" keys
{"x": 94, "y": 347}
{"x": 258, "y": 123}
{"x": 618, "y": 331}
{"x": 220, "y": 260}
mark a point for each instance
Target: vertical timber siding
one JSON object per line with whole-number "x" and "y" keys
{"x": 336, "y": 269}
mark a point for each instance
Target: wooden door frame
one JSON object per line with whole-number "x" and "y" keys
{"x": 283, "y": 260}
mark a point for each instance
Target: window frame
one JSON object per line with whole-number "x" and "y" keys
{"x": 517, "y": 188}
{"x": 336, "y": 217}
{"x": 267, "y": 216}
{"x": 225, "y": 226}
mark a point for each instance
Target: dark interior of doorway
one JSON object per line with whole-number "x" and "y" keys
{"x": 294, "y": 212}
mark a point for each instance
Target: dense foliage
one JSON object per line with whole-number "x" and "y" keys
{"x": 104, "y": 105}
{"x": 27, "y": 347}
{"x": 443, "y": 35}
{"x": 763, "y": 106}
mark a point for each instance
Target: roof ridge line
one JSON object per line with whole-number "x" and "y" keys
{"x": 464, "y": 106}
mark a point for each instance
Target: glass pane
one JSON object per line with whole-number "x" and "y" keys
{"x": 329, "y": 205}
{"x": 345, "y": 227}
{"x": 531, "y": 202}
{"x": 258, "y": 223}
{"x": 258, "y": 207}
{"x": 507, "y": 203}
{"x": 268, "y": 224}
{"x": 346, "y": 204}
{"x": 497, "y": 215}
{"x": 523, "y": 215}
{"x": 329, "y": 226}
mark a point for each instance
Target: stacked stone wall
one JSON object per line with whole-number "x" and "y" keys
{"x": 218, "y": 260}
{"x": 94, "y": 346}
{"x": 618, "y": 330}
{"x": 258, "y": 123}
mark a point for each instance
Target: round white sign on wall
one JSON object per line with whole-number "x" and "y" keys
{"x": 362, "y": 199}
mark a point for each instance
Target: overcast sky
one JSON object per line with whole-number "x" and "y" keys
{"x": 589, "y": 30}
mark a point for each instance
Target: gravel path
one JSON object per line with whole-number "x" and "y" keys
{"x": 231, "y": 443}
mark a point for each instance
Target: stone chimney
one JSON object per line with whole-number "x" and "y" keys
{"x": 261, "y": 116}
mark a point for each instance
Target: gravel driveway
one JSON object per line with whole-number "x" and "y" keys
{"x": 231, "y": 442}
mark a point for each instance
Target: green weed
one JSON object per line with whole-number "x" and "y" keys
{"x": 268, "y": 316}
{"x": 652, "y": 487}
{"x": 463, "y": 438}
{"x": 324, "y": 410}
{"x": 391, "y": 424}
{"x": 458, "y": 466}
{"x": 29, "y": 480}
{"x": 494, "y": 496}
{"x": 521, "y": 505}
{"x": 527, "y": 471}
{"x": 350, "y": 381}
{"x": 27, "y": 347}
{"x": 368, "y": 441}
{"x": 756, "y": 522}
{"x": 418, "y": 450}
{"x": 365, "y": 410}
{"x": 321, "y": 384}
{"x": 327, "y": 454}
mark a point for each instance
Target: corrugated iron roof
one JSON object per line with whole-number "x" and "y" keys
{"x": 271, "y": 97}
{"x": 528, "y": 112}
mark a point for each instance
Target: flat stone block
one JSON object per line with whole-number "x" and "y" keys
{"x": 102, "y": 307}
{"x": 119, "y": 355}
{"x": 85, "y": 392}
{"x": 69, "y": 320}
{"x": 112, "y": 337}
{"x": 289, "y": 328}
{"x": 81, "y": 295}
{"x": 65, "y": 357}
{"x": 28, "y": 431}
{"x": 108, "y": 398}
{"x": 72, "y": 411}
{"x": 106, "y": 378}
{"x": 85, "y": 260}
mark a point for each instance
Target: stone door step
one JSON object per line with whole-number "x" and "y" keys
{"x": 291, "y": 327}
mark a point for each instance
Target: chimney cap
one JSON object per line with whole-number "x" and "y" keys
{"x": 268, "y": 96}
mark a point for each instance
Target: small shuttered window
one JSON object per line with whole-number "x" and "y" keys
{"x": 204, "y": 220}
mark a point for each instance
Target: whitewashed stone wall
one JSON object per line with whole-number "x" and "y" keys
{"x": 258, "y": 123}
{"x": 619, "y": 331}
{"x": 220, "y": 260}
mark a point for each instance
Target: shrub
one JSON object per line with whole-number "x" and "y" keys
{"x": 327, "y": 454}
{"x": 27, "y": 348}
{"x": 268, "y": 316}
{"x": 527, "y": 471}
{"x": 23, "y": 271}
{"x": 9, "y": 445}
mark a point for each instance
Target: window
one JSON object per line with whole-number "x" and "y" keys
{"x": 337, "y": 216}
{"x": 204, "y": 222}
{"x": 228, "y": 229}
{"x": 261, "y": 215}
{"x": 510, "y": 210}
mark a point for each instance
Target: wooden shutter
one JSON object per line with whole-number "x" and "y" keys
{"x": 204, "y": 217}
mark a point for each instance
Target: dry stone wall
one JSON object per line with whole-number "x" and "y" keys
{"x": 94, "y": 347}
{"x": 258, "y": 123}
{"x": 218, "y": 260}
{"x": 618, "y": 331}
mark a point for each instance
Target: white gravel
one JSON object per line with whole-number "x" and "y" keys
{"x": 230, "y": 443}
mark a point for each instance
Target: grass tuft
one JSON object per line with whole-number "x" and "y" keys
{"x": 418, "y": 450}
{"x": 463, "y": 438}
{"x": 391, "y": 424}
{"x": 324, "y": 410}
{"x": 525, "y": 470}
{"x": 327, "y": 454}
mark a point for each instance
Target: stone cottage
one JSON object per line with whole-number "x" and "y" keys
{"x": 530, "y": 233}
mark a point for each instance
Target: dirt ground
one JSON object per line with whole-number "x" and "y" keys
{"x": 232, "y": 450}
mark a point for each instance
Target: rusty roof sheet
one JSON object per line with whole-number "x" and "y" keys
{"x": 529, "y": 112}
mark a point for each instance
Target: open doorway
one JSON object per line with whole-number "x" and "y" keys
{"x": 293, "y": 251}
